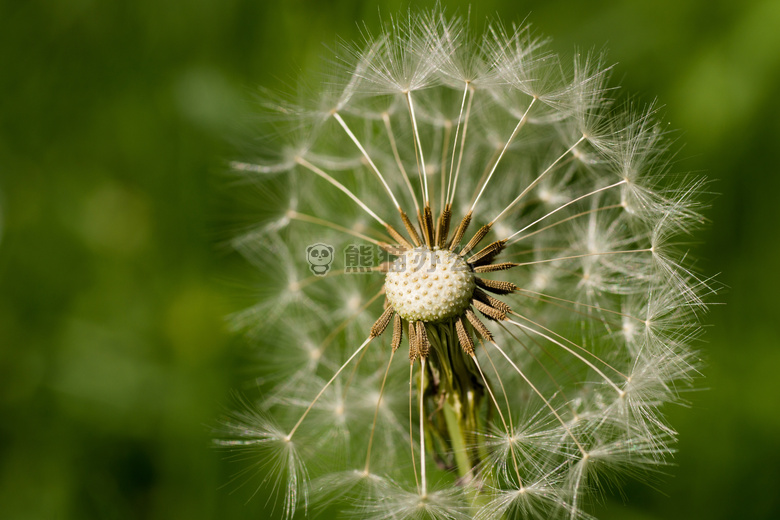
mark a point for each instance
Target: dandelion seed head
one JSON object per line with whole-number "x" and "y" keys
{"x": 527, "y": 228}
{"x": 429, "y": 285}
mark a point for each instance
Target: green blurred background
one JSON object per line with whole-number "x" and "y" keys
{"x": 114, "y": 355}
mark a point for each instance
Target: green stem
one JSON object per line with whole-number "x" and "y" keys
{"x": 459, "y": 390}
{"x": 457, "y": 438}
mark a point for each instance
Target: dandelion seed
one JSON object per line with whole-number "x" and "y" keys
{"x": 527, "y": 228}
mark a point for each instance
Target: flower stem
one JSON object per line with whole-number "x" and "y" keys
{"x": 452, "y": 416}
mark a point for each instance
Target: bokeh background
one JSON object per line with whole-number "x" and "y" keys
{"x": 114, "y": 281}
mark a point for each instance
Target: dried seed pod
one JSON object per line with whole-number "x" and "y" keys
{"x": 495, "y": 286}
{"x": 464, "y": 338}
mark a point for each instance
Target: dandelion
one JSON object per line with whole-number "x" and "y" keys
{"x": 524, "y": 240}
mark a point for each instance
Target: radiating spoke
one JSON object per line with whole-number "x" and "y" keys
{"x": 567, "y": 219}
{"x": 567, "y": 349}
{"x": 455, "y": 141}
{"x": 376, "y": 412}
{"x": 542, "y": 397}
{"x": 398, "y": 161}
{"x": 585, "y": 255}
{"x": 306, "y": 164}
{"x": 411, "y": 427}
{"x": 462, "y": 143}
{"x": 563, "y": 206}
{"x": 322, "y": 391}
{"x": 537, "y": 180}
{"x": 294, "y": 215}
{"x": 355, "y": 140}
{"x": 508, "y": 142}
{"x": 422, "y": 433}
{"x": 418, "y": 150}
{"x": 509, "y": 433}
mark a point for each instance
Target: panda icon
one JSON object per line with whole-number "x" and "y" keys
{"x": 319, "y": 256}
